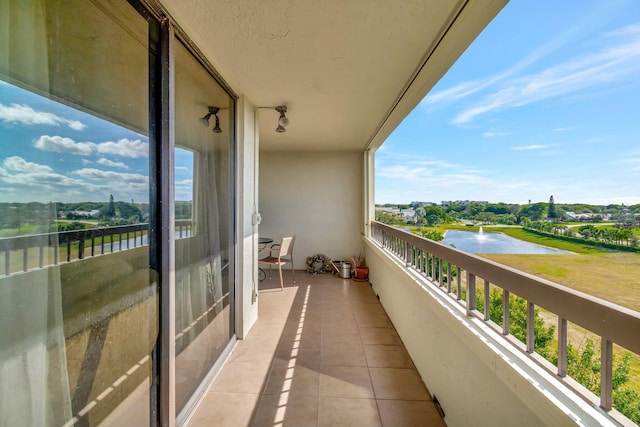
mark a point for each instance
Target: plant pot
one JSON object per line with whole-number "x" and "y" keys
{"x": 361, "y": 274}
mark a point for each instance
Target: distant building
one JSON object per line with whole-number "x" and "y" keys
{"x": 409, "y": 215}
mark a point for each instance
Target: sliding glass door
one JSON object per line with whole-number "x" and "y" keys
{"x": 78, "y": 303}
{"x": 204, "y": 196}
{"x": 88, "y": 241}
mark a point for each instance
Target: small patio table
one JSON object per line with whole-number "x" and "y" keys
{"x": 263, "y": 242}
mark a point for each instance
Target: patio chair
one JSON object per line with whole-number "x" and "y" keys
{"x": 281, "y": 254}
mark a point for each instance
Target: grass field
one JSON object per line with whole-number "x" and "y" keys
{"x": 607, "y": 274}
{"x": 612, "y": 276}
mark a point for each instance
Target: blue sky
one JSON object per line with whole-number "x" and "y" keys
{"x": 546, "y": 101}
{"x": 51, "y": 152}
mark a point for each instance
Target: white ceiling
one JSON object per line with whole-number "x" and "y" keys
{"x": 348, "y": 70}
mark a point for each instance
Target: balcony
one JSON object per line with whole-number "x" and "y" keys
{"x": 323, "y": 352}
{"x": 328, "y": 350}
{"x": 321, "y": 344}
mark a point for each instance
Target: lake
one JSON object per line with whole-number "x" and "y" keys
{"x": 494, "y": 243}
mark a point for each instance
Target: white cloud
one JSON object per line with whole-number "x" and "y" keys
{"x": 434, "y": 163}
{"x": 60, "y": 144}
{"x": 434, "y": 177}
{"x": 114, "y": 177}
{"x": 125, "y": 148}
{"x": 107, "y": 162}
{"x": 76, "y": 125}
{"x": 23, "y": 114}
{"x": 621, "y": 58}
{"x": 404, "y": 172}
{"x": 466, "y": 89}
{"x": 633, "y": 161}
{"x": 531, "y": 147}
{"x": 494, "y": 134}
{"x": 18, "y": 164}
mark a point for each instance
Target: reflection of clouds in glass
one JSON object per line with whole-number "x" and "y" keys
{"x": 25, "y": 115}
{"x": 37, "y": 181}
{"x": 115, "y": 177}
{"x": 61, "y": 144}
{"x": 107, "y": 162}
{"x": 123, "y": 147}
{"x": 16, "y": 163}
{"x": 183, "y": 189}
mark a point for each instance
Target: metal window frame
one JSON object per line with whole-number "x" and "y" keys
{"x": 162, "y": 260}
{"x": 162, "y": 210}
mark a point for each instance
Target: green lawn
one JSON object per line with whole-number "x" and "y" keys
{"x": 608, "y": 275}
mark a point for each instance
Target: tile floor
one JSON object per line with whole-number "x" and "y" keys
{"x": 322, "y": 353}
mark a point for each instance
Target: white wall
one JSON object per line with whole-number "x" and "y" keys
{"x": 316, "y": 196}
{"x": 478, "y": 377}
{"x": 247, "y": 231}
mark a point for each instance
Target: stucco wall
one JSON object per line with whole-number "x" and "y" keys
{"x": 316, "y": 196}
{"x": 477, "y": 377}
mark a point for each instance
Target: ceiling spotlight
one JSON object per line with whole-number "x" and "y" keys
{"x": 216, "y": 128}
{"x": 205, "y": 120}
{"x": 283, "y": 121}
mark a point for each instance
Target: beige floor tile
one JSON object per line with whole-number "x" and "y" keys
{"x": 405, "y": 413}
{"x": 363, "y": 298}
{"x": 306, "y": 355}
{"x": 292, "y": 378}
{"x": 387, "y": 356}
{"x": 242, "y": 377}
{"x": 214, "y": 410}
{"x": 395, "y": 383}
{"x": 301, "y": 329}
{"x": 340, "y": 411}
{"x": 346, "y": 354}
{"x": 371, "y": 320}
{"x": 338, "y": 317}
{"x": 334, "y": 335}
{"x": 380, "y": 336}
{"x": 339, "y": 381}
{"x": 286, "y": 411}
{"x": 375, "y": 308}
{"x": 250, "y": 351}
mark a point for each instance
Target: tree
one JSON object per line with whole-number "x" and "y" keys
{"x": 431, "y": 234}
{"x": 534, "y": 212}
{"x": 110, "y": 211}
{"x": 552, "y": 209}
{"x": 420, "y": 214}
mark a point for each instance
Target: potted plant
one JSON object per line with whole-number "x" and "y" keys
{"x": 359, "y": 271}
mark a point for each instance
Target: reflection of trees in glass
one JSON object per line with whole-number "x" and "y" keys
{"x": 183, "y": 210}
{"x": 110, "y": 211}
{"x": 35, "y": 217}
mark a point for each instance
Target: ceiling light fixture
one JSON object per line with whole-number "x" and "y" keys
{"x": 283, "y": 121}
{"x": 205, "y": 120}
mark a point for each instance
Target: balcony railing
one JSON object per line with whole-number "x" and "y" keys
{"x": 41, "y": 250}
{"x": 448, "y": 268}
